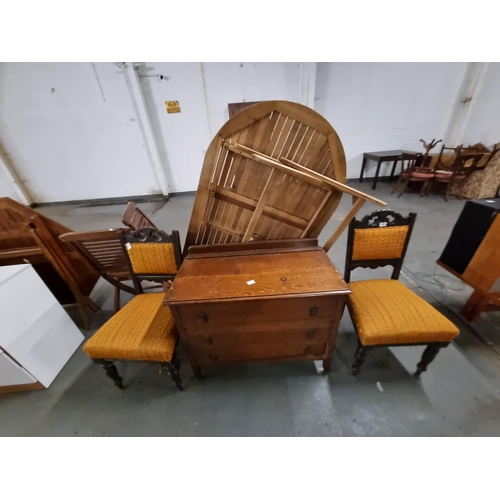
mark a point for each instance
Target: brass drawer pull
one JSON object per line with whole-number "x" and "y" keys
{"x": 313, "y": 311}
{"x": 203, "y": 318}
{"x": 209, "y": 340}
{"x": 310, "y": 334}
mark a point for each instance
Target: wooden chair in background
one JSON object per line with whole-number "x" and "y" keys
{"x": 414, "y": 169}
{"x": 384, "y": 311}
{"x": 463, "y": 166}
{"x": 134, "y": 218}
{"x": 103, "y": 250}
{"x": 144, "y": 329}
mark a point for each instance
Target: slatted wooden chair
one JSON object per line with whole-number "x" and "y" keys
{"x": 144, "y": 329}
{"x": 275, "y": 170}
{"x": 103, "y": 250}
{"x": 134, "y": 218}
{"x": 29, "y": 237}
{"x": 384, "y": 311}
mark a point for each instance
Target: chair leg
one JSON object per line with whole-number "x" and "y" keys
{"x": 359, "y": 358}
{"x": 404, "y": 187}
{"x": 428, "y": 355}
{"x": 173, "y": 369}
{"x": 112, "y": 373}
{"x": 117, "y": 299}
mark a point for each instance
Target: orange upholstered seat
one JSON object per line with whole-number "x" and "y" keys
{"x": 143, "y": 330}
{"x": 387, "y": 312}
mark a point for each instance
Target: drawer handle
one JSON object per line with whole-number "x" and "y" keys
{"x": 313, "y": 311}
{"x": 310, "y": 334}
{"x": 209, "y": 340}
{"x": 203, "y": 318}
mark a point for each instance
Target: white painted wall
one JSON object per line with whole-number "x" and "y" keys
{"x": 204, "y": 91}
{"x": 383, "y": 106}
{"x": 72, "y": 131}
{"x": 86, "y": 139}
{"x": 484, "y": 120}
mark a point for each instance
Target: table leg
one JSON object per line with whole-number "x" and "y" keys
{"x": 393, "y": 170}
{"x": 362, "y": 169}
{"x": 376, "y": 174}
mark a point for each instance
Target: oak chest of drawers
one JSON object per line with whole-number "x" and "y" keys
{"x": 257, "y": 301}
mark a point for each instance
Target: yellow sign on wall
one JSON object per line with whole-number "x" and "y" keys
{"x": 173, "y": 106}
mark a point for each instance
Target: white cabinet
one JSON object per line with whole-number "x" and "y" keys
{"x": 37, "y": 337}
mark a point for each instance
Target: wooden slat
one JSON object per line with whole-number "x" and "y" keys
{"x": 346, "y": 221}
{"x": 337, "y": 185}
{"x": 260, "y": 207}
{"x": 271, "y": 212}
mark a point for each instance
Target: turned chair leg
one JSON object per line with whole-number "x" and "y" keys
{"x": 359, "y": 358}
{"x": 173, "y": 369}
{"x": 428, "y": 355}
{"x": 112, "y": 373}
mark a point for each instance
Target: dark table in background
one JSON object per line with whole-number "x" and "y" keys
{"x": 381, "y": 157}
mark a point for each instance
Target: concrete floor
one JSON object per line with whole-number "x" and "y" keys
{"x": 458, "y": 396}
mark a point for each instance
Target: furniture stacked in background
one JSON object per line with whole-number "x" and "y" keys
{"x": 473, "y": 255}
{"x": 257, "y": 301}
{"x": 28, "y": 237}
{"x": 415, "y": 169}
{"x": 37, "y": 337}
{"x": 483, "y": 183}
{"x": 384, "y": 311}
{"x": 144, "y": 329}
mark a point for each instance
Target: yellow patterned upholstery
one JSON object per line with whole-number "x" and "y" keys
{"x": 143, "y": 330}
{"x": 152, "y": 258}
{"x": 387, "y": 312}
{"x": 379, "y": 243}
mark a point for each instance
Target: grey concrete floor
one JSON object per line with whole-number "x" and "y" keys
{"x": 458, "y": 396}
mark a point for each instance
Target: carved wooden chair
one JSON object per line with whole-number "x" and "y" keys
{"x": 414, "y": 169}
{"x": 144, "y": 329}
{"x": 457, "y": 175}
{"x": 384, "y": 311}
{"x": 103, "y": 250}
{"x": 134, "y": 218}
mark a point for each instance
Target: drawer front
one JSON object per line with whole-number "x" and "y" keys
{"x": 262, "y": 333}
{"x": 205, "y": 316}
{"x": 240, "y": 353}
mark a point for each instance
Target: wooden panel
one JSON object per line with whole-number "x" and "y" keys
{"x": 206, "y": 317}
{"x": 484, "y": 268}
{"x": 259, "y": 352}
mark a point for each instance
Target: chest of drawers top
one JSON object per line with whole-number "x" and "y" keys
{"x": 255, "y": 271}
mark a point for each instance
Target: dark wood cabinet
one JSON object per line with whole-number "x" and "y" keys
{"x": 257, "y": 301}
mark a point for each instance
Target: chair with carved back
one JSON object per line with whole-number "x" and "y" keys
{"x": 134, "y": 218}
{"x": 384, "y": 311}
{"x": 414, "y": 169}
{"x": 103, "y": 250}
{"x": 144, "y": 329}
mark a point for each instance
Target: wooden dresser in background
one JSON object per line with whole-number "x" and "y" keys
{"x": 257, "y": 301}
